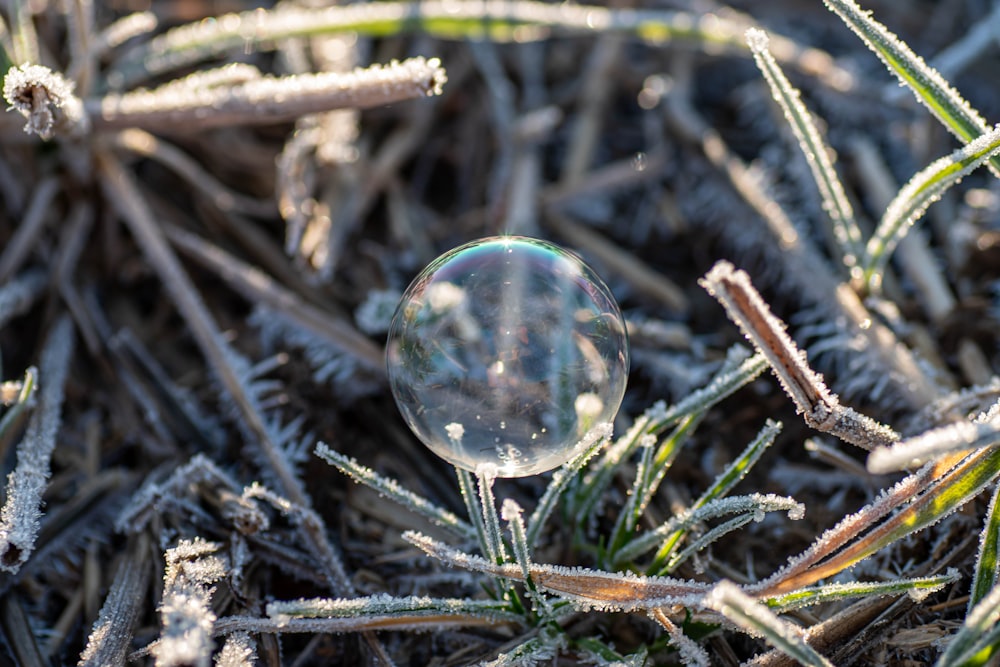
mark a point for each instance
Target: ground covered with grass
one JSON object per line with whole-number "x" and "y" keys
{"x": 209, "y": 210}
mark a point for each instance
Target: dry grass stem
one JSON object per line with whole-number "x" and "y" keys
{"x": 638, "y": 273}
{"x": 820, "y": 408}
{"x": 111, "y": 637}
{"x": 258, "y": 287}
{"x": 266, "y": 100}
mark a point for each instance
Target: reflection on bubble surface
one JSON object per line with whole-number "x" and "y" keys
{"x": 504, "y": 353}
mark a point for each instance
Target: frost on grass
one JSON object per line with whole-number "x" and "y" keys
{"x": 754, "y": 618}
{"x": 394, "y": 491}
{"x": 914, "y": 452}
{"x": 111, "y": 637}
{"x": 186, "y": 616}
{"x": 45, "y": 99}
{"x": 268, "y": 99}
{"x": 240, "y": 650}
{"x": 19, "y": 518}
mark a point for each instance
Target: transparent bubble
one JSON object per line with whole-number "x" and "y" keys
{"x": 504, "y": 353}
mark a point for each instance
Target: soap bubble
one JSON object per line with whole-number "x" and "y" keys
{"x": 504, "y": 353}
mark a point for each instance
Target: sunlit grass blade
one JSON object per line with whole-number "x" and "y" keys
{"x": 391, "y": 489}
{"x": 805, "y": 597}
{"x": 755, "y": 504}
{"x": 720, "y": 487}
{"x": 950, "y": 490}
{"x": 467, "y": 485}
{"x": 934, "y": 443}
{"x": 835, "y": 202}
{"x": 754, "y": 617}
{"x": 929, "y": 87}
{"x": 923, "y": 190}
{"x": 495, "y": 20}
{"x": 976, "y": 641}
{"x": 987, "y": 565}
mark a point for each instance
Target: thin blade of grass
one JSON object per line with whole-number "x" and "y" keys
{"x": 719, "y": 488}
{"x": 384, "y": 605}
{"x": 929, "y": 87}
{"x": 561, "y": 479}
{"x": 987, "y": 565}
{"x": 752, "y": 616}
{"x": 924, "y": 189}
{"x": 949, "y": 491}
{"x": 978, "y": 633}
{"x": 835, "y": 202}
{"x": 22, "y": 510}
{"x": 391, "y": 489}
{"x": 805, "y": 597}
{"x": 496, "y": 20}
{"x": 753, "y": 504}
{"x": 587, "y": 588}
{"x": 916, "y": 451}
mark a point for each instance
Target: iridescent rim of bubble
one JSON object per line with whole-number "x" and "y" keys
{"x": 504, "y": 353}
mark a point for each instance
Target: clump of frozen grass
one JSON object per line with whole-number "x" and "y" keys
{"x": 634, "y": 561}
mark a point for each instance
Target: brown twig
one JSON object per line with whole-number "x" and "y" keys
{"x": 820, "y": 408}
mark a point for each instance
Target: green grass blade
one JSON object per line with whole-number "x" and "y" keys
{"x": 975, "y": 641}
{"x": 985, "y": 577}
{"x": 752, "y": 616}
{"x": 720, "y": 487}
{"x": 754, "y": 504}
{"x": 929, "y": 87}
{"x": 595, "y": 439}
{"x": 738, "y": 370}
{"x": 805, "y": 597}
{"x": 923, "y": 190}
{"x": 835, "y": 202}
{"x": 950, "y": 491}
{"x": 501, "y": 21}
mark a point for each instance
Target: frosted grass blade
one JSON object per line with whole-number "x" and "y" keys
{"x": 923, "y": 190}
{"x": 835, "y": 202}
{"x": 727, "y": 599}
{"x": 987, "y": 566}
{"x": 392, "y": 490}
{"x": 805, "y": 597}
{"x": 720, "y": 487}
{"x": 929, "y": 87}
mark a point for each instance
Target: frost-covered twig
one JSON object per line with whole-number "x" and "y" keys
{"x": 266, "y": 99}
{"x": 25, "y": 485}
{"x": 46, "y": 100}
{"x": 820, "y": 408}
{"x": 186, "y": 616}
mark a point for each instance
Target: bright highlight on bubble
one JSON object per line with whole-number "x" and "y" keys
{"x": 504, "y": 353}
